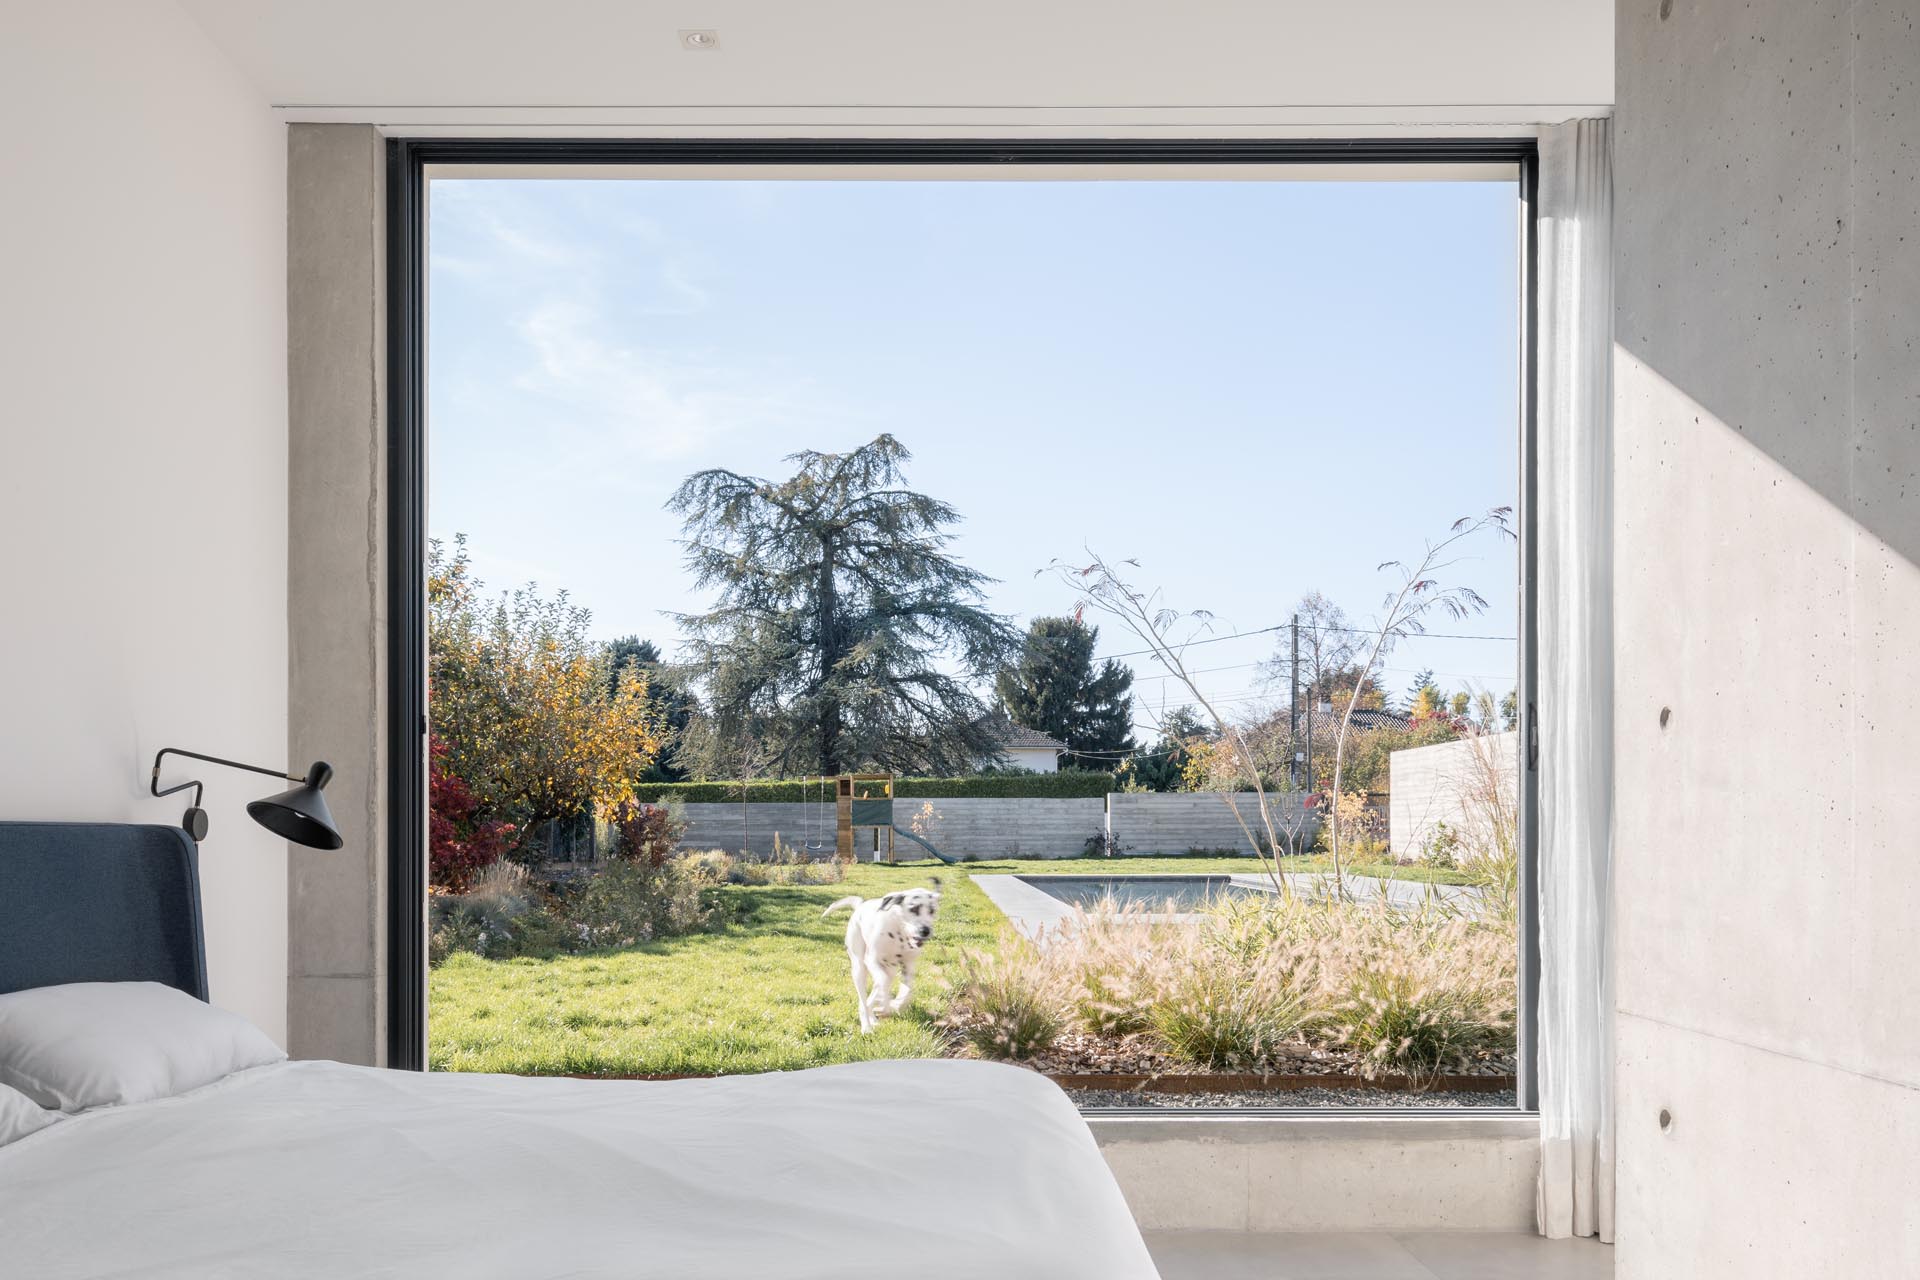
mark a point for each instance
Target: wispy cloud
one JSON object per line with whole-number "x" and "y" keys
{"x": 602, "y": 401}
{"x": 626, "y": 403}
{"x": 581, "y": 247}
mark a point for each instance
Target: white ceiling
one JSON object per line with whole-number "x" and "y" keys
{"x": 583, "y": 60}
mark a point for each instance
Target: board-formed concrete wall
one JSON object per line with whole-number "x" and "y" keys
{"x": 719, "y": 826}
{"x": 984, "y": 828}
{"x": 1154, "y": 822}
{"x": 1767, "y": 596}
{"x": 1446, "y": 783}
{"x": 1004, "y": 828}
{"x": 976, "y": 828}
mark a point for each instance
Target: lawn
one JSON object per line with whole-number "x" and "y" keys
{"x": 1375, "y": 870}
{"x": 769, "y": 992}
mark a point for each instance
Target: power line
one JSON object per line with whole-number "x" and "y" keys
{"x": 1404, "y": 671}
{"x": 1124, "y": 755}
{"x": 1203, "y": 671}
{"x": 1282, "y": 626}
{"x": 1414, "y": 635}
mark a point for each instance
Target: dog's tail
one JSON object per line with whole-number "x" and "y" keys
{"x": 844, "y": 902}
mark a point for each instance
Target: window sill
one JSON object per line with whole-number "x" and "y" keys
{"x": 1264, "y": 1124}
{"x": 1372, "y": 1171}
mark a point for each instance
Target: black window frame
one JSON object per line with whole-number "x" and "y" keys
{"x": 408, "y": 160}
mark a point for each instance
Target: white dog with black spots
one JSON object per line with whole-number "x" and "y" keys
{"x": 884, "y": 938}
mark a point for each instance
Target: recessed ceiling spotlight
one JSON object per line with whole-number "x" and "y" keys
{"x": 703, "y": 40}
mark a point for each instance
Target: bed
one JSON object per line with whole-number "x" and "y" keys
{"x": 913, "y": 1168}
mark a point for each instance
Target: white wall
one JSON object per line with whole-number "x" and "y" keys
{"x": 1040, "y": 760}
{"x": 143, "y": 480}
{"x": 1768, "y": 598}
{"x": 1448, "y": 783}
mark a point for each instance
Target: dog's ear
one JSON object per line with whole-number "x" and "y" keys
{"x": 889, "y": 902}
{"x": 935, "y": 882}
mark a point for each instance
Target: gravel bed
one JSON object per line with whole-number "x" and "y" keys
{"x": 1079, "y": 1054}
{"x": 1099, "y": 1099}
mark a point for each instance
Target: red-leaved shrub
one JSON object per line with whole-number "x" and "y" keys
{"x": 648, "y": 833}
{"x": 459, "y": 845}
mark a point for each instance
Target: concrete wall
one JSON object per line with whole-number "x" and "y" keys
{"x": 143, "y": 532}
{"x": 1768, "y": 597}
{"x": 1174, "y": 822}
{"x": 974, "y": 828}
{"x": 337, "y": 583}
{"x": 1447, "y": 783}
{"x": 992, "y": 828}
{"x": 717, "y": 826}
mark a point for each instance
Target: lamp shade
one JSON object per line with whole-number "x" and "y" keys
{"x": 300, "y": 815}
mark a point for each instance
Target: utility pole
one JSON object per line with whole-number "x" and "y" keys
{"x": 1308, "y": 753}
{"x": 1312, "y": 696}
{"x": 1293, "y": 708}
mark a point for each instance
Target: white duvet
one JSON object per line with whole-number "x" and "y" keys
{"x": 924, "y": 1170}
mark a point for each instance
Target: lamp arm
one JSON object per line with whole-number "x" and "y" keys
{"x": 199, "y": 788}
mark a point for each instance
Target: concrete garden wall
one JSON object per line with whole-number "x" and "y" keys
{"x": 1003, "y": 828}
{"x": 1430, "y": 786}
{"x": 718, "y": 826}
{"x": 978, "y": 828}
{"x": 1153, "y": 822}
{"x": 1146, "y": 823}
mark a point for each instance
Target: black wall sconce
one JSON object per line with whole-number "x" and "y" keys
{"x": 299, "y": 815}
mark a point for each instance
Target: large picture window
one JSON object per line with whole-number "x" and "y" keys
{"x": 1063, "y": 603}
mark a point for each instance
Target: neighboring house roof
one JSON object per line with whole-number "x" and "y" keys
{"x": 1366, "y": 718}
{"x": 1014, "y": 737}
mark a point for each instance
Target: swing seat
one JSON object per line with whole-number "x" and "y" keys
{"x": 813, "y": 843}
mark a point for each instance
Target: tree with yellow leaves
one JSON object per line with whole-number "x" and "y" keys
{"x": 534, "y": 716}
{"x": 1427, "y": 703}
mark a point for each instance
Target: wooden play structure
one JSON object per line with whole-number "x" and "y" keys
{"x": 864, "y": 802}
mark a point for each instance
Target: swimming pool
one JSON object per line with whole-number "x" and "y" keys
{"x": 1185, "y": 892}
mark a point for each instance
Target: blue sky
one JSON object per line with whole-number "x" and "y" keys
{"x": 1255, "y": 389}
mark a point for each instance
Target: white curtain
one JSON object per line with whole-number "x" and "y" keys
{"x": 1574, "y": 509}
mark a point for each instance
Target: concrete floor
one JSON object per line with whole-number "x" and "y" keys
{"x": 1312, "y": 1255}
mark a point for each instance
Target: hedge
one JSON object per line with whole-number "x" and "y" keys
{"x": 1048, "y": 786}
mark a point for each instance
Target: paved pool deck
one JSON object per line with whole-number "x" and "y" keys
{"x": 1035, "y": 912}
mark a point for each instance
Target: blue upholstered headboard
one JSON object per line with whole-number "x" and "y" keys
{"x": 99, "y": 902}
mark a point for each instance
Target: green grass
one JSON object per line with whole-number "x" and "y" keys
{"x": 770, "y": 992}
{"x": 1379, "y": 870}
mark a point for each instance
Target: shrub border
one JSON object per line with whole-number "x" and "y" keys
{"x": 1037, "y": 786}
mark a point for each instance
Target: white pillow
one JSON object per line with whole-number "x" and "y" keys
{"x": 21, "y": 1115}
{"x": 92, "y": 1044}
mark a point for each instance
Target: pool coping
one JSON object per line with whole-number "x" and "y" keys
{"x": 1033, "y": 911}
{"x": 1028, "y": 909}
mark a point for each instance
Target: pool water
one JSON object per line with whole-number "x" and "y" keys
{"x": 1185, "y": 893}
